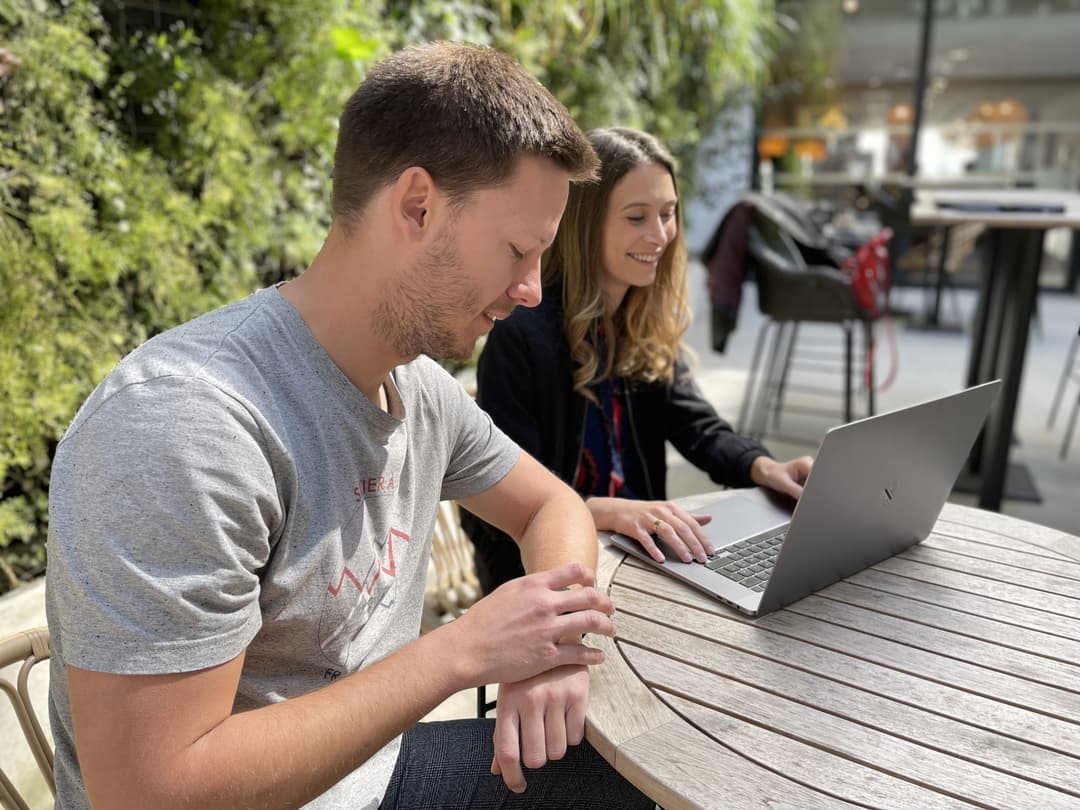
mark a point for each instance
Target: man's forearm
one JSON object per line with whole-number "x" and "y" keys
{"x": 282, "y": 755}
{"x": 561, "y": 531}
{"x": 306, "y": 745}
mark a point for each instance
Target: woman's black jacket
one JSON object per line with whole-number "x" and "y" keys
{"x": 525, "y": 382}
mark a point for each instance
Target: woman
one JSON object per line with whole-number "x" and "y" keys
{"x": 592, "y": 381}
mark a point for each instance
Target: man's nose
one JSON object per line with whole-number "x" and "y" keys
{"x": 525, "y": 291}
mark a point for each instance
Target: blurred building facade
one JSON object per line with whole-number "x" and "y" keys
{"x": 1000, "y": 104}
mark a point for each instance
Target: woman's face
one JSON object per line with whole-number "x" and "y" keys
{"x": 639, "y": 225}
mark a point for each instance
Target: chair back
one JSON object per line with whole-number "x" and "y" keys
{"x": 452, "y": 584}
{"x": 775, "y": 259}
{"x": 771, "y": 246}
{"x": 25, "y": 650}
{"x": 790, "y": 289}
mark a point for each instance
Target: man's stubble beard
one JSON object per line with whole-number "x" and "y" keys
{"x": 417, "y": 313}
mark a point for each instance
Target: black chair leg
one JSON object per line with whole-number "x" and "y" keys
{"x": 483, "y": 705}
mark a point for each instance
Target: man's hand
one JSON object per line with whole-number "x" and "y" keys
{"x": 647, "y": 520}
{"x": 786, "y": 477}
{"x": 526, "y": 635}
{"x": 536, "y": 720}
{"x": 517, "y": 631}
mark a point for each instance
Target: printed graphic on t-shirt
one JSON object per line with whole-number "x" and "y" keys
{"x": 362, "y": 586}
{"x": 375, "y": 486}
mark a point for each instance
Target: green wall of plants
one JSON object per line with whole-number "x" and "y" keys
{"x": 158, "y": 159}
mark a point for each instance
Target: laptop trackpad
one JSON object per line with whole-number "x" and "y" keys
{"x": 743, "y": 515}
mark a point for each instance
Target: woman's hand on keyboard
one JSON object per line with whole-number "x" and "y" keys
{"x": 650, "y": 521}
{"x": 786, "y": 477}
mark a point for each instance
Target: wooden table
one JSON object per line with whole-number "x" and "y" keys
{"x": 1007, "y": 294}
{"x": 948, "y": 676}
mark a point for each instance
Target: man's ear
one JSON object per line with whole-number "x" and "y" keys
{"x": 414, "y": 200}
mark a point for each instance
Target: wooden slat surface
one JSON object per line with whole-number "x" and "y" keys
{"x": 948, "y": 676}
{"x": 679, "y": 767}
{"x": 1005, "y": 635}
{"x": 1000, "y": 610}
{"x": 621, "y": 706}
{"x": 951, "y": 643}
{"x": 1018, "y": 532}
{"x": 747, "y": 635}
{"x": 995, "y": 589}
{"x": 1051, "y": 584}
{"x": 990, "y": 547}
{"x": 823, "y": 695}
{"x": 865, "y": 748}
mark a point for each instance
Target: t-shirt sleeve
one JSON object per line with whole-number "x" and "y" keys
{"x": 479, "y": 455}
{"x": 163, "y": 510}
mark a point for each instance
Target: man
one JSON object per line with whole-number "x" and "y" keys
{"x": 240, "y": 514}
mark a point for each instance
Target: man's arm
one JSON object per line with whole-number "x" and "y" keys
{"x": 170, "y": 741}
{"x": 549, "y": 521}
{"x": 538, "y": 717}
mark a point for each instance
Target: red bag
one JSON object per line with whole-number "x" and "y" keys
{"x": 868, "y": 270}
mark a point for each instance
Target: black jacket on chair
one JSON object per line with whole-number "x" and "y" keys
{"x": 525, "y": 382}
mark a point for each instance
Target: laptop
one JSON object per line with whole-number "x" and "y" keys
{"x": 877, "y": 487}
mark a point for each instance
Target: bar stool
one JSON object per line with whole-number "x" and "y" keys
{"x": 791, "y": 292}
{"x": 1070, "y": 371}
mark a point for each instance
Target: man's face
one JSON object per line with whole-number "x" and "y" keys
{"x": 484, "y": 261}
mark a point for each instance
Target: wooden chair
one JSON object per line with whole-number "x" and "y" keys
{"x": 25, "y": 649}
{"x": 452, "y": 585}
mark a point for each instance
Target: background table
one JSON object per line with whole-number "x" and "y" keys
{"x": 1007, "y": 294}
{"x": 947, "y": 676}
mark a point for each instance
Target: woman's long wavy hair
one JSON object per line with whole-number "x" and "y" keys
{"x": 647, "y": 329}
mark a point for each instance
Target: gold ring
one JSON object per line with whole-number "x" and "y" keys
{"x": 656, "y": 525}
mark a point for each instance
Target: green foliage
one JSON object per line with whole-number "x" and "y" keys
{"x": 804, "y": 44}
{"x": 665, "y": 66}
{"x": 160, "y": 159}
{"x": 144, "y": 180}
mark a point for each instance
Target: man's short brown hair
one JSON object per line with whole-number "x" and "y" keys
{"x": 462, "y": 112}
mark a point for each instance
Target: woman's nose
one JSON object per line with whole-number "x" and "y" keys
{"x": 658, "y": 233}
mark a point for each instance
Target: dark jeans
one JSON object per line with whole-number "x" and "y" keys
{"x": 448, "y": 765}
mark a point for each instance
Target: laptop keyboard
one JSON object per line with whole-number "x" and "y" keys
{"x": 748, "y": 562}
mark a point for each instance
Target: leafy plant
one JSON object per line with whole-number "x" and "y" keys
{"x": 665, "y": 66}
{"x": 160, "y": 159}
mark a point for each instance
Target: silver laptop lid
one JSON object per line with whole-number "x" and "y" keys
{"x": 877, "y": 487}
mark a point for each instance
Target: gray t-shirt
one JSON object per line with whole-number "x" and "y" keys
{"x": 226, "y": 488}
